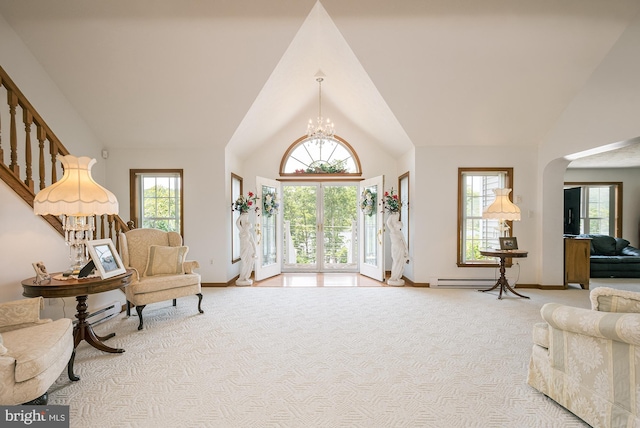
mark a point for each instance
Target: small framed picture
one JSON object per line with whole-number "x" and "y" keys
{"x": 105, "y": 257}
{"x": 509, "y": 243}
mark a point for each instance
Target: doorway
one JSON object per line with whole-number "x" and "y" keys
{"x": 320, "y": 227}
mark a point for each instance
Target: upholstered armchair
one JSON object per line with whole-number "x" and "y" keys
{"x": 588, "y": 360}
{"x": 33, "y": 352}
{"x": 161, "y": 271}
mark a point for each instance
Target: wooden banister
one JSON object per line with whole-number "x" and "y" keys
{"x": 24, "y": 184}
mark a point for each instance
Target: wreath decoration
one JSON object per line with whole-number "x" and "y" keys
{"x": 269, "y": 204}
{"x": 368, "y": 202}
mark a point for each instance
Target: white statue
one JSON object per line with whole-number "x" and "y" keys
{"x": 247, "y": 250}
{"x": 399, "y": 250}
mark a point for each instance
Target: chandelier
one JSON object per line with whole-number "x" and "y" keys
{"x": 321, "y": 129}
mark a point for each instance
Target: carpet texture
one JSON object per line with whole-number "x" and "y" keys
{"x": 319, "y": 357}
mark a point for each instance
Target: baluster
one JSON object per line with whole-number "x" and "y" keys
{"x": 102, "y": 233}
{"x": 110, "y": 225}
{"x": 41, "y": 135}
{"x": 118, "y": 230}
{"x": 27, "y": 118}
{"x": 53, "y": 150}
{"x": 12, "y": 99}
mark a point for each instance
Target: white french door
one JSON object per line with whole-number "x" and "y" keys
{"x": 372, "y": 231}
{"x": 320, "y": 227}
{"x": 268, "y": 229}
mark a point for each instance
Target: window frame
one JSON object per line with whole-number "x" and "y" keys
{"x": 134, "y": 192}
{"x": 306, "y": 176}
{"x": 617, "y": 203}
{"x": 404, "y": 210}
{"x": 238, "y": 181}
{"x": 508, "y": 183}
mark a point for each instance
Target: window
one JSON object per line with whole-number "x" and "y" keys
{"x": 475, "y": 192}
{"x": 236, "y": 191}
{"x": 600, "y": 207}
{"x": 308, "y": 156}
{"x": 156, "y": 199}
{"x": 403, "y": 194}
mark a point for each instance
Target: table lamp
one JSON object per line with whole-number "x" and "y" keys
{"x": 502, "y": 209}
{"x": 76, "y": 198}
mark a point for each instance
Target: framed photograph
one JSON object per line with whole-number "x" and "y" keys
{"x": 105, "y": 257}
{"x": 509, "y": 243}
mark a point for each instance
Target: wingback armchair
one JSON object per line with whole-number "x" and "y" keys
{"x": 161, "y": 271}
{"x": 33, "y": 352}
{"x": 588, "y": 360}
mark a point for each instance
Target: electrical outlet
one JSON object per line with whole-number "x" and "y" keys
{"x": 210, "y": 261}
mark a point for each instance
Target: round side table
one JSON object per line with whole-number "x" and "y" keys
{"x": 80, "y": 289}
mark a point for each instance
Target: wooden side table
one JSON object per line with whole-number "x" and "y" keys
{"x": 80, "y": 288}
{"x": 577, "y": 261}
{"x": 502, "y": 281}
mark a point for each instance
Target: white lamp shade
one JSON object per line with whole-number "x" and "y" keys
{"x": 76, "y": 193}
{"x": 502, "y": 208}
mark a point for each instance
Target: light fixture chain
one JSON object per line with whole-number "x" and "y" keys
{"x": 318, "y": 129}
{"x": 320, "y": 97}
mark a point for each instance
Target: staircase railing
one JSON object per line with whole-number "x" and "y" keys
{"x": 17, "y": 167}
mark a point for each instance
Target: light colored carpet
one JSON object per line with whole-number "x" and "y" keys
{"x": 319, "y": 357}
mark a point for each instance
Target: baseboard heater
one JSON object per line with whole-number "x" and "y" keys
{"x": 463, "y": 282}
{"x": 103, "y": 314}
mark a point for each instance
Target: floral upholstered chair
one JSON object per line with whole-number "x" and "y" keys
{"x": 33, "y": 352}
{"x": 161, "y": 271}
{"x": 588, "y": 360}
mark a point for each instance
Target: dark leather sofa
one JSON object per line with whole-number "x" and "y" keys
{"x": 613, "y": 257}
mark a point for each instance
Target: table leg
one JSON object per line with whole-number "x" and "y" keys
{"x": 84, "y": 331}
{"x": 503, "y": 283}
{"x": 72, "y": 376}
{"x": 506, "y": 283}
{"x": 498, "y": 284}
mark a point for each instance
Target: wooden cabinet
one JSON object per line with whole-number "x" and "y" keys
{"x": 576, "y": 261}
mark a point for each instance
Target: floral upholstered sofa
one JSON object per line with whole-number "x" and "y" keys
{"x": 33, "y": 352}
{"x": 588, "y": 360}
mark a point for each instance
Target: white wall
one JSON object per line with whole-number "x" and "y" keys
{"x": 206, "y": 200}
{"x": 407, "y": 164}
{"x": 434, "y": 205}
{"x": 265, "y": 162}
{"x": 232, "y": 165}
{"x": 24, "y": 238}
{"x": 630, "y": 179}
{"x": 46, "y": 98}
{"x": 603, "y": 113}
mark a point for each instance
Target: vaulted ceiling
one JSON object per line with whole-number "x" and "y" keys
{"x": 157, "y": 73}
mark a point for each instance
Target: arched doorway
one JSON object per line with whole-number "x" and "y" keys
{"x": 320, "y": 214}
{"x": 320, "y": 205}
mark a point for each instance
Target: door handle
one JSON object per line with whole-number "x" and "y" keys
{"x": 258, "y": 233}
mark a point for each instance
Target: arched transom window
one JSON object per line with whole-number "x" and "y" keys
{"x": 311, "y": 156}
